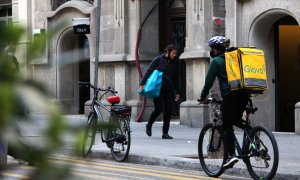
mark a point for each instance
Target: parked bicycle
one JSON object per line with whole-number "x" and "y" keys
{"x": 259, "y": 149}
{"x": 114, "y": 128}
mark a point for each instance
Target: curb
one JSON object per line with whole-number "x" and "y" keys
{"x": 182, "y": 163}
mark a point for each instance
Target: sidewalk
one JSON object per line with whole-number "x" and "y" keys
{"x": 181, "y": 152}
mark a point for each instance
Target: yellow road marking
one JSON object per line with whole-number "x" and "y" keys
{"x": 150, "y": 172}
{"x": 14, "y": 175}
{"x": 113, "y": 168}
{"x": 113, "y": 174}
{"x": 91, "y": 171}
{"x": 117, "y": 166}
{"x": 94, "y": 176}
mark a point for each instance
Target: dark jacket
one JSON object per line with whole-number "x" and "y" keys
{"x": 217, "y": 69}
{"x": 170, "y": 72}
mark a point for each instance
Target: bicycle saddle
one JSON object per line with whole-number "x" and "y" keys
{"x": 113, "y": 99}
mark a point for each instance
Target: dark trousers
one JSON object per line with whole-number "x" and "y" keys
{"x": 164, "y": 104}
{"x": 232, "y": 110}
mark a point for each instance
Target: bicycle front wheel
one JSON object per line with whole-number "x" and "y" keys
{"x": 263, "y": 155}
{"x": 121, "y": 144}
{"x": 211, "y": 150}
{"x": 89, "y": 135}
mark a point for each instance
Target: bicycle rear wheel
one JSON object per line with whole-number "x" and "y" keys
{"x": 89, "y": 135}
{"x": 121, "y": 145}
{"x": 211, "y": 150}
{"x": 262, "y": 161}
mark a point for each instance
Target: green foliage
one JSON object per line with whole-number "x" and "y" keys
{"x": 17, "y": 94}
{"x": 10, "y": 35}
{"x": 6, "y": 95}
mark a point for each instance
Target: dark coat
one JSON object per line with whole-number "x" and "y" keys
{"x": 170, "y": 72}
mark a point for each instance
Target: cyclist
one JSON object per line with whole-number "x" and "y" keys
{"x": 234, "y": 102}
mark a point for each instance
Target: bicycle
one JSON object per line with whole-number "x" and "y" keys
{"x": 114, "y": 129}
{"x": 259, "y": 150}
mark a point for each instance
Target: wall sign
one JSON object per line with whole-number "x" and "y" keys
{"x": 81, "y": 25}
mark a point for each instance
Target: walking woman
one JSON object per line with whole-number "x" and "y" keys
{"x": 168, "y": 64}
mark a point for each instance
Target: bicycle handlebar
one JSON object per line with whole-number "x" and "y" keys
{"x": 250, "y": 109}
{"x": 88, "y": 84}
{"x": 209, "y": 100}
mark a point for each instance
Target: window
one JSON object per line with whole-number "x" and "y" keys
{"x": 5, "y": 13}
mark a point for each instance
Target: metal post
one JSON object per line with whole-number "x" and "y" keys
{"x": 98, "y": 10}
{"x": 3, "y": 153}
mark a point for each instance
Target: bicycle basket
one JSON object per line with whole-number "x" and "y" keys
{"x": 122, "y": 110}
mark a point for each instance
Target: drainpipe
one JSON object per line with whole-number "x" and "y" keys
{"x": 139, "y": 117}
{"x": 98, "y": 10}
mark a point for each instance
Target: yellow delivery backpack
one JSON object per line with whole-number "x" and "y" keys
{"x": 246, "y": 69}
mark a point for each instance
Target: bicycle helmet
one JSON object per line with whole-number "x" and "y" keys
{"x": 219, "y": 42}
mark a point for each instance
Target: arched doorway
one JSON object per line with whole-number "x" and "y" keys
{"x": 172, "y": 29}
{"x": 73, "y": 65}
{"x": 287, "y": 40}
{"x": 268, "y": 32}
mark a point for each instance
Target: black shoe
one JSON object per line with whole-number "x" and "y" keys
{"x": 230, "y": 162}
{"x": 167, "y": 136}
{"x": 148, "y": 130}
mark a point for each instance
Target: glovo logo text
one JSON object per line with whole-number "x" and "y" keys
{"x": 250, "y": 69}
{"x": 231, "y": 71}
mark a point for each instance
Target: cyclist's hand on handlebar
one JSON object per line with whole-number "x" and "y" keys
{"x": 203, "y": 101}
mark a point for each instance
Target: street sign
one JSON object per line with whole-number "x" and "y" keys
{"x": 81, "y": 25}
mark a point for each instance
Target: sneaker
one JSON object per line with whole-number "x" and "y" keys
{"x": 167, "y": 136}
{"x": 230, "y": 162}
{"x": 148, "y": 130}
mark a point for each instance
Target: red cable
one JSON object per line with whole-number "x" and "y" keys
{"x": 139, "y": 117}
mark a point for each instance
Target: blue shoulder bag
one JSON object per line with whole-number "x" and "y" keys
{"x": 153, "y": 85}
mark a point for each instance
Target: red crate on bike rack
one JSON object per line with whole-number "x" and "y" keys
{"x": 122, "y": 109}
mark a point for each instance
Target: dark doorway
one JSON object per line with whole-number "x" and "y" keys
{"x": 287, "y": 54}
{"x": 172, "y": 29}
{"x": 84, "y": 72}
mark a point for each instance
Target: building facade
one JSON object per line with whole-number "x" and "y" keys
{"x": 69, "y": 58}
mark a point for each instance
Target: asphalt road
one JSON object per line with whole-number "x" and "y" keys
{"x": 89, "y": 169}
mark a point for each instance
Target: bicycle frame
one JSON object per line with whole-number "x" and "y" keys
{"x": 95, "y": 107}
{"x": 246, "y": 136}
{"x": 241, "y": 149}
{"x": 110, "y": 120}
